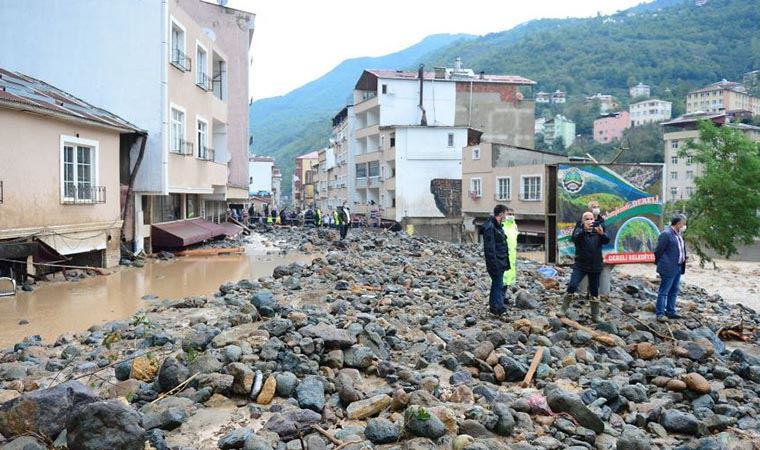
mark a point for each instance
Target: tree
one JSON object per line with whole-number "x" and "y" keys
{"x": 724, "y": 211}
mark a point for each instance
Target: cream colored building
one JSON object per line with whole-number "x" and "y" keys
{"x": 722, "y": 96}
{"x": 495, "y": 173}
{"x": 333, "y": 177}
{"x": 649, "y": 111}
{"x": 59, "y": 174}
{"x": 680, "y": 171}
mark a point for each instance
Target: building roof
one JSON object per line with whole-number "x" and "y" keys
{"x": 696, "y": 117}
{"x": 261, "y": 159}
{"x": 24, "y": 93}
{"x": 743, "y": 126}
{"x": 310, "y": 155}
{"x": 407, "y": 75}
{"x": 649, "y": 100}
{"x": 723, "y": 84}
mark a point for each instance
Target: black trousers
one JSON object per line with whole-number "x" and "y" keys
{"x": 343, "y": 231}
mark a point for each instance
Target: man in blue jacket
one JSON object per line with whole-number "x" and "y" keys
{"x": 670, "y": 257}
{"x": 497, "y": 261}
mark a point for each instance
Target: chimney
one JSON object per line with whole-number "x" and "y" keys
{"x": 421, "y": 76}
{"x": 458, "y": 64}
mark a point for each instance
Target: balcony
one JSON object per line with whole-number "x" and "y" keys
{"x": 181, "y": 147}
{"x": 361, "y": 182}
{"x": 390, "y": 184}
{"x": 83, "y": 194}
{"x": 204, "y": 82}
{"x": 365, "y": 101}
{"x": 390, "y": 154}
{"x": 375, "y": 182}
{"x": 180, "y": 60}
{"x": 369, "y": 130}
{"x": 206, "y": 153}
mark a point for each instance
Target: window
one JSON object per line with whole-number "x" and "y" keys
{"x": 674, "y": 175}
{"x": 361, "y": 170}
{"x": 674, "y": 144}
{"x": 202, "y": 141}
{"x": 202, "y": 79}
{"x": 385, "y": 89}
{"x": 689, "y": 191}
{"x": 689, "y": 161}
{"x": 178, "y": 57}
{"x": 167, "y": 207}
{"x": 192, "y": 206}
{"x": 374, "y": 168}
{"x": 79, "y": 171}
{"x": 178, "y": 131}
{"x": 451, "y": 139}
{"x": 393, "y": 140}
{"x": 476, "y": 187}
{"x": 531, "y": 188}
{"x": 475, "y": 153}
{"x": 673, "y": 192}
{"x": 689, "y": 174}
{"x": 503, "y": 188}
{"x": 674, "y": 160}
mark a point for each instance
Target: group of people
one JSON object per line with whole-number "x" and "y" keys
{"x": 339, "y": 217}
{"x": 589, "y": 236}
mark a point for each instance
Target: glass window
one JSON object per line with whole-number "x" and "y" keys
{"x": 674, "y": 175}
{"x": 202, "y": 139}
{"x": 476, "y": 153}
{"x": 361, "y": 170}
{"x": 78, "y": 172}
{"x": 476, "y": 187}
{"x": 167, "y": 208}
{"x": 674, "y": 160}
{"x": 192, "y": 206}
{"x": 201, "y": 61}
{"x": 451, "y": 140}
{"x": 531, "y": 188}
{"x": 178, "y": 131}
{"x": 503, "y": 188}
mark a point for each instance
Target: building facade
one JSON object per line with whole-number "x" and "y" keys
{"x": 649, "y": 111}
{"x": 559, "y": 127}
{"x": 640, "y": 90}
{"x": 610, "y": 127}
{"x": 607, "y": 102}
{"x": 680, "y": 172}
{"x": 498, "y": 173}
{"x": 189, "y": 58}
{"x": 60, "y": 176}
{"x": 722, "y": 96}
{"x": 260, "y": 170}
{"x": 303, "y": 164}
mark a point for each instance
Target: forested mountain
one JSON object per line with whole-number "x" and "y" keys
{"x": 672, "y": 45}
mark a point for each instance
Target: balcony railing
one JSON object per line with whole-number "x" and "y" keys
{"x": 83, "y": 194}
{"x": 375, "y": 181}
{"x": 206, "y": 153}
{"x": 361, "y": 182}
{"x": 203, "y": 81}
{"x": 180, "y": 60}
{"x": 182, "y": 147}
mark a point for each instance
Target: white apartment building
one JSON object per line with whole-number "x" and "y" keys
{"x": 260, "y": 174}
{"x": 640, "y": 90}
{"x": 649, "y": 111}
{"x": 178, "y": 69}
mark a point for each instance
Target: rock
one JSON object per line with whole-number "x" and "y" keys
{"x": 286, "y": 384}
{"x": 334, "y": 338}
{"x": 264, "y": 302}
{"x": 205, "y": 364}
{"x": 43, "y": 411}
{"x": 680, "y": 422}
{"x": 235, "y": 439}
{"x": 634, "y": 393}
{"x": 525, "y": 300}
{"x": 25, "y": 443}
{"x": 358, "y": 357}
{"x": 632, "y": 438}
{"x": 311, "y": 394}
{"x": 462, "y": 441}
{"x": 676, "y": 385}
{"x": 462, "y": 394}
{"x": 291, "y": 424}
{"x": 124, "y": 389}
{"x": 277, "y": 326}
{"x": 513, "y": 369}
{"x": 267, "y": 391}
{"x": 420, "y": 422}
{"x": 561, "y": 401}
{"x": 255, "y": 443}
{"x": 483, "y": 350}
{"x": 382, "y": 431}
{"x": 247, "y": 333}
{"x": 144, "y": 368}
{"x": 646, "y": 350}
{"x": 123, "y": 370}
{"x": 368, "y": 408}
{"x": 166, "y": 414}
{"x": 695, "y": 351}
{"x": 606, "y": 388}
{"x": 171, "y": 374}
{"x": 696, "y": 383}
{"x": 242, "y": 378}
{"x": 105, "y": 425}
{"x": 506, "y": 422}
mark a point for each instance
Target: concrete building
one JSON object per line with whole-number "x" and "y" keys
{"x": 607, "y": 102}
{"x": 189, "y": 59}
{"x": 336, "y": 163}
{"x": 406, "y": 160}
{"x": 722, "y": 96}
{"x": 304, "y": 164}
{"x": 543, "y": 97}
{"x": 680, "y": 172}
{"x": 558, "y": 97}
{"x": 276, "y": 186}
{"x": 610, "y": 127}
{"x": 60, "y": 176}
{"x": 514, "y": 176}
{"x": 559, "y": 127}
{"x": 260, "y": 170}
{"x": 640, "y": 90}
{"x": 649, "y": 111}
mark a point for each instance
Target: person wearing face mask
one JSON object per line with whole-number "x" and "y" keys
{"x": 510, "y": 232}
{"x": 670, "y": 257}
{"x": 497, "y": 261}
{"x": 588, "y": 239}
{"x": 593, "y": 206}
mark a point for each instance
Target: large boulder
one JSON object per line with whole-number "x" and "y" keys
{"x": 560, "y": 401}
{"x": 171, "y": 374}
{"x": 105, "y": 425}
{"x": 44, "y": 411}
{"x": 333, "y": 337}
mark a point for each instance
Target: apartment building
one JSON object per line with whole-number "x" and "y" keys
{"x": 303, "y": 164}
{"x": 260, "y": 170}
{"x": 276, "y": 186}
{"x": 607, "y": 102}
{"x": 680, "y": 172}
{"x": 558, "y": 97}
{"x": 649, "y": 111}
{"x": 59, "y": 177}
{"x": 514, "y": 176}
{"x": 559, "y": 127}
{"x": 183, "y": 78}
{"x": 722, "y": 96}
{"x": 336, "y": 163}
{"x": 610, "y": 127}
{"x": 640, "y": 90}
{"x": 409, "y": 130}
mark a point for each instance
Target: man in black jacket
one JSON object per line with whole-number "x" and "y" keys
{"x": 497, "y": 260}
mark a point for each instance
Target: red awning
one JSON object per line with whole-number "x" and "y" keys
{"x": 185, "y": 232}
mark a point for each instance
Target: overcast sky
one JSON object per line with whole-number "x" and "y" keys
{"x": 296, "y": 41}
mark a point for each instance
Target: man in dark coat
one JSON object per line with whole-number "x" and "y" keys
{"x": 588, "y": 237}
{"x": 497, "y": 261}
{"x": 670, "y": 257}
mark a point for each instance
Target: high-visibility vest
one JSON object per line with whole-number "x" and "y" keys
{"x": 319, "y": 216}
{"x": 510, "y": 231}
{"x": 336, "y": 217}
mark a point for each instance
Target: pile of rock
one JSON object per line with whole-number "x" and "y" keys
{"x": 382, "y": 343}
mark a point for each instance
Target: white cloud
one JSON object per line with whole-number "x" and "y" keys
{"x": 296, "y": 41}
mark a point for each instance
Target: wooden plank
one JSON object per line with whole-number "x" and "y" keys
{"x": 211, "y": 251}
{"x": 533, "y": 366}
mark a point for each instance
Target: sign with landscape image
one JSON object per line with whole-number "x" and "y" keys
{"x": 630, "y": 197}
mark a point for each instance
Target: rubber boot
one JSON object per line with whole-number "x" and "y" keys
{"x": 595, "y": 310}
{"x": 565, "y": 304}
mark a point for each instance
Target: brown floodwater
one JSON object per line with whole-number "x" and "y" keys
{"x": 62, "y": 306}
